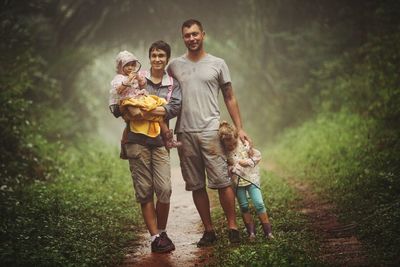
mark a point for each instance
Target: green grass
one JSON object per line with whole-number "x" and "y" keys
{"x": 79, "y": 216}
{"x": 355, "y": 162}
{"x": 294, "y": 244}
{"x": 79, "y": 211}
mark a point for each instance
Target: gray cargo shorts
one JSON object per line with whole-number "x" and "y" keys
{"x": 201, "y": 155}
{"x": 151, "y": 172}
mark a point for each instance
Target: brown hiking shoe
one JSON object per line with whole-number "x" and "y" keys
{"x": 165, "y": 236}
{"x": 207, "y": 239}
{"x": 162, "y": 245}
{"x": 234, "y": 236}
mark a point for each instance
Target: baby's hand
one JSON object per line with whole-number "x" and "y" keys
{"x": 131, "y": 77}
{"x": 141, "y": 80}
{"x": 143, "y": 92}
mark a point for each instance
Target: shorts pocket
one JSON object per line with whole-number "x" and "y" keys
{"x": 133, "y": 151}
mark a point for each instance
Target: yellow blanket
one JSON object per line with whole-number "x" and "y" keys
{"x": 146, "y": 103}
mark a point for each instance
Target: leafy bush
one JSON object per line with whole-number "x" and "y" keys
{"x": 34, "y": 111}
{"x": 355, "y": 161}
{"x": 79, "y": 218}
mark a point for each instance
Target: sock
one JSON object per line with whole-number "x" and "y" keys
{"x": 153, "y": 237}
{"x": 161, "y": 230}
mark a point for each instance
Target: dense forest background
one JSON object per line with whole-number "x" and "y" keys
{"x": 295, "y": 64}
{"x": 289, "y": 60}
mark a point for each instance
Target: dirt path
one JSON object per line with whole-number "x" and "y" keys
{"x": 339, "y": 246}
{"x": 184, "y": 228}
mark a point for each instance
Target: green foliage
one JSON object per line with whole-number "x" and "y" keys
{"x": 26, "y": 93}
{"x": 355, "y": 161}
{"x": 293, "y": 60}
{"x": 34, "y": 113}
{"x": 294, "y": 244}
{"x": 290, "y": 61}
{"x": 81, "y": 218}
{"x": 325, "y": 143}
{"x": 366, "y": 82}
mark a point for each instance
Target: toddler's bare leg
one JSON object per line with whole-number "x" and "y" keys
{"x": 155, "y": 118}
{"x": 164, "y": 127}
{"x": 168, "y": 136}
{"x": 134, "y": 111}
{"x": 263, "y": 217}
{"x": 247, "y": 218}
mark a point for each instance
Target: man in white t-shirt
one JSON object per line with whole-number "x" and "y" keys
{"x": 202, "y": 76}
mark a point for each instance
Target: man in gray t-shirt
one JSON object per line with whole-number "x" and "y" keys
{"x": 202, "y": 76}
{"x": 202, "y": 80}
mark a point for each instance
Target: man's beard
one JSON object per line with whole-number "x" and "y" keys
{"x": 198, "y": 48}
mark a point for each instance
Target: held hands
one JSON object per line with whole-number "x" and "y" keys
{"x": 244, "y": 137}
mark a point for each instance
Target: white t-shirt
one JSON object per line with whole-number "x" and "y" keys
{"x": 200, "y": 82}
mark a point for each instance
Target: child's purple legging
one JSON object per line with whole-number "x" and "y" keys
{"x": 255, "y": 195}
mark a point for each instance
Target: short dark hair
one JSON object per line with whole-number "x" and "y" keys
{"x": 162, "y": 46}
{"x": 188, "y": 23}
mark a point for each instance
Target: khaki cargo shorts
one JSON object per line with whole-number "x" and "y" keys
{"x": 201, "y": 156}
{"x": 151, "y": 172}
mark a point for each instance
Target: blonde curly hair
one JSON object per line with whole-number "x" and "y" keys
{"x": 227, "y": 131}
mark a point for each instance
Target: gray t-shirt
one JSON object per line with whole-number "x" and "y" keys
{"x": 200, "y": 82}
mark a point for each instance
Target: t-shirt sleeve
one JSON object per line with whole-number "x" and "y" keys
{"x": 224, "y": 74}
{"x": 170, "y": 68}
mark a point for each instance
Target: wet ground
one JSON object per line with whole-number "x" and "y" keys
{"x": 184, "y": 228}
{"x": 339, "y": 244}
